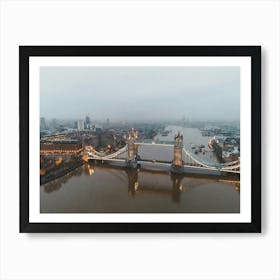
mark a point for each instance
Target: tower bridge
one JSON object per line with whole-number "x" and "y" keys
{"x": 183, "y": 161}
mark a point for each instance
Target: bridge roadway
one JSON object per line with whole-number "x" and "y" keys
{"x": 165, "y": 166}
{"x": 193, "y": 166}
{"x": 163, "y": 144}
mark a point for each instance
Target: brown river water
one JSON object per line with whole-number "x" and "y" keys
{"x": 104, "y": 189}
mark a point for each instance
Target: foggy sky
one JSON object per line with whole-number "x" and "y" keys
{"x": 140, "y": 93}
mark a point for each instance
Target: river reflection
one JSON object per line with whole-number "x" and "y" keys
{"x": 104, "y": 189}
{"x": 57, "y": 183}
{"x": 135, "y": 187}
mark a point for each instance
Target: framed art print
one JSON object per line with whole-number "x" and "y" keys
{"x": 140, "y": 138}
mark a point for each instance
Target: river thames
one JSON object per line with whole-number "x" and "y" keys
{"x": 104, "y": 189}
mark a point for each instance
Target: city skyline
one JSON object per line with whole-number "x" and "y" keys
{"x": 140, "y": 93}
{"x": 148, "y": 133}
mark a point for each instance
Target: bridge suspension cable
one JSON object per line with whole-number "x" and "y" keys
{"x": 101, "y": 156}
{"x": 234, "y": 165}
{"x": 195, "y": 161}
{"x": 191, "y": 159}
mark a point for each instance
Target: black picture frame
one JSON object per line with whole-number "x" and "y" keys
{"x": 254, "y": 52}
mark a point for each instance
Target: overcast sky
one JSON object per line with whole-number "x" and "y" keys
{"x": 140, "y": 93}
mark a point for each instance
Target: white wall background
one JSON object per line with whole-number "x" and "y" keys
{"x": 139, "y": 256}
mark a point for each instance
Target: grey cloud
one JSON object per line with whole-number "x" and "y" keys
{"x": 140, "y": 93}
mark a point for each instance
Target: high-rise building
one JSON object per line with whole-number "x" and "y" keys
{"x": 87, "y": 122}
{"x": 43, "y": 125}
{"x": 80, "y": 125}
{"x": 107, "y": 123}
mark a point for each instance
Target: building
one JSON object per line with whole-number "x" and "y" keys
{"x": 80, "y": 125}
{"x": 48, "y": 147}
{"x": 43, "y": 125}
{"x": 87, "y": 122}
{"x": 107, "y": 123}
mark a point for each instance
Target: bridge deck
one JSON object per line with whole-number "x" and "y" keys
{"x": 192, "y": 164}
{"x": 165, "y": 166}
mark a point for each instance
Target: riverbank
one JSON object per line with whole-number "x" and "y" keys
{"x": 60, "y": 172}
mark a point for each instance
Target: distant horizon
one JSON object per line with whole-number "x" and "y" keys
{"x": 139, "y": 121}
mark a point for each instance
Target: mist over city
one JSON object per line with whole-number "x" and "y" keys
{"x": 140, "y": 93}
{"x": 152, "y": 134}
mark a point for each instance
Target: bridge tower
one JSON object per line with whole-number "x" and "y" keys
{"x": 132, "y": 148}
{"x": 177, "y": 163}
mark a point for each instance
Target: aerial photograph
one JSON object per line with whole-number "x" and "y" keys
{"x": 139, "y": 139}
